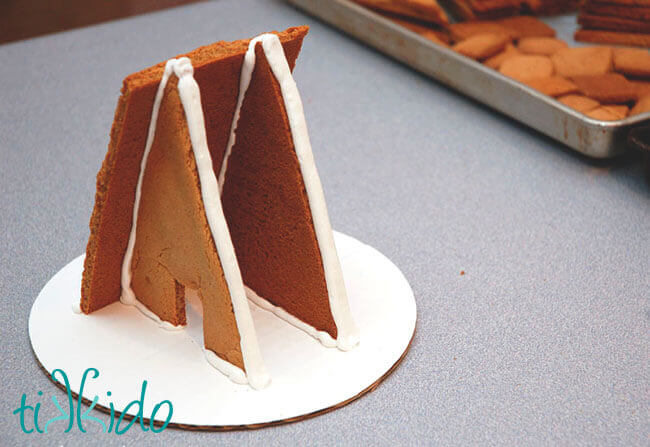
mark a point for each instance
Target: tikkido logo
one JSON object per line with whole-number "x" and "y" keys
{"x": 70, "y": 415}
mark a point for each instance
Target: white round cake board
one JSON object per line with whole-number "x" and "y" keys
{"x": 306, "y": 377}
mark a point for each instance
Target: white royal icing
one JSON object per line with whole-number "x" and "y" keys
{"x": 189, "y": 93}
{"x": 322, "y": 336}
{"x": 128, "y": 296}
{"x": 76, "y": 307}
{"x": 348, "y": 334}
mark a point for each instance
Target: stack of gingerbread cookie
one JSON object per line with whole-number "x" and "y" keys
{"x": 622, "y": 22}
{"x": 602, "y": 82}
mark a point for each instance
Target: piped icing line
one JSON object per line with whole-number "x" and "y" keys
{"x": 166, "y": 325}
{"x": 347, "y": 331}
{"x": 322, "y": 336}
{"x": 226, "y": 368}
{"x": 255, "y": 375}
{"x": 244, "y": 81}
{"x": 191, "y": 99}
{"x": 128, "y": 296}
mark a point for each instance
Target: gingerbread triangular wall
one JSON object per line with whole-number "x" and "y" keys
{"x": 174, "y": 247}
{"x": 271, "y": 192}
{"x": 179, "y": 238}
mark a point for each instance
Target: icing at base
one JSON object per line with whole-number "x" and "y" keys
{"x": 144, "y": 310}
{"x": 347, "y": 331}
{"x": 76, "y": 307}
{"x": 226, "y": 368}
{"x": 322, "y": 336}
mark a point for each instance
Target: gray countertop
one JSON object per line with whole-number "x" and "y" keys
{"x": 544, "y": 340}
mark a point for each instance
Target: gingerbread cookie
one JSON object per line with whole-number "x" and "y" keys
{"x": 632, "y": 61}
{"x": 613, "y": 37}
{"x": 610, "y": 88}
{"x": 578, "y": 102}
{"x": 609, "y": 113}
{"x": 527, "y": 26}
{"x": 526, "y": 67}
{"x": 484, "y": 9}
{"x": 544, "y": 46}
{"x": 495, "y": 61}
{"x": 482, "y": 46}
{"x": 553, "y": 85}
{"x": 582, "y": 61}
{"x": 463, "y": 30}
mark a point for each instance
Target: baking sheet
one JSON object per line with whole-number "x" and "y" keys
{"x": 595, "y": 138}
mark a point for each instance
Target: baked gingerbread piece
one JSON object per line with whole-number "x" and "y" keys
{"x": 632, "y": 62}
{"x": 544, "y": 46}
{"x": 609, "y": 88}
{"x": 482, "y": 46}
{"x": 582, "y": 61}
{"x": 464, "y": 30}
{"x": 527, "y": 67}
{"x": 553, "y": 85}
{"x": 579, "y": 102}
{"x": 495, "y": 61}
{"x": 613, "y": 37}
{"x": 471, "y": 10}
{"x": 527, "y": 26}
{"x": 609, "y": 113}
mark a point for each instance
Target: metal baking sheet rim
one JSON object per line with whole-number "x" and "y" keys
{"x": 594, "y": 138}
